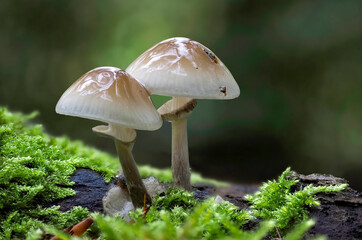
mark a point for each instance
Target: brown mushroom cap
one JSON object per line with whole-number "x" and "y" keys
{"x": 110, "y": 95}
{"x": 181, "y": 67}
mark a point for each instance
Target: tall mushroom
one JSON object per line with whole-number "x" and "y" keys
{"x": 111, "y": 95}
{"x": 186, "y": 70}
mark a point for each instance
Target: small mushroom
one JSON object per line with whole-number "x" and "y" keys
{"x": 186, "y": 70}
{"x": 111, "y": 95}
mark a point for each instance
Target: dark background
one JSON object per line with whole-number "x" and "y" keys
{"x": 298, "y": 65}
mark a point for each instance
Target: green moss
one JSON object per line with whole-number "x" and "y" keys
{"x": 274, "y": 200}
{"x": 18, "y": 223}
{"x": 205, "y": 220}
{"x": 175, "y": 214}
{"x": 35, "y": 169}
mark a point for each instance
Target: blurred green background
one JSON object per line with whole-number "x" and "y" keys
{"x": 298, "y": 65}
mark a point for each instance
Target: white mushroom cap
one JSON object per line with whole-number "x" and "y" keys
{"x": 110, "y": 95}
{"x": 181, "y": 67}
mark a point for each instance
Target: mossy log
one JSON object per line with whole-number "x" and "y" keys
{"x": 339, "y": 215}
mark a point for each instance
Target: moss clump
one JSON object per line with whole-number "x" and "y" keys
{"x": 33, "y": 170}
{"x": 274, "y": 200}
{"x": 18, "y": 223}
{"x": 178, "y": 205}
{"x": 189, "y": 220}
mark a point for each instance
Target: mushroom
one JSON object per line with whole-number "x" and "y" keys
{"x": 185, "y": 70}
{"x": 111, "y": 95}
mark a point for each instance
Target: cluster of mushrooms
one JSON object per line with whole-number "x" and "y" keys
{"x": 177, "y": 67}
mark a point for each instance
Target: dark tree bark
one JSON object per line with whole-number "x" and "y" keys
{"x": 340, "y": 214}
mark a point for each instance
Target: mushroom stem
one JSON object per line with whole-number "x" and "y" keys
{"x": 136, "y": 188}
{"x": 180, "y": 154}
{"x": 176, "y": 111}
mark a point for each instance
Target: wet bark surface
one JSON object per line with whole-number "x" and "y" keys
{"x": 339, "y": 216}
{"x": 90, "y": 188}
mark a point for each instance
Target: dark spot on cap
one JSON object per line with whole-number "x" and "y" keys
{"x": 211, "y": 55}
{"x": 223, "y": 90}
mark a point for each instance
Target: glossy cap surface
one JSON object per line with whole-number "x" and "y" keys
{"x": 111, "y": 95}
{"x": 182, "y": 67}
